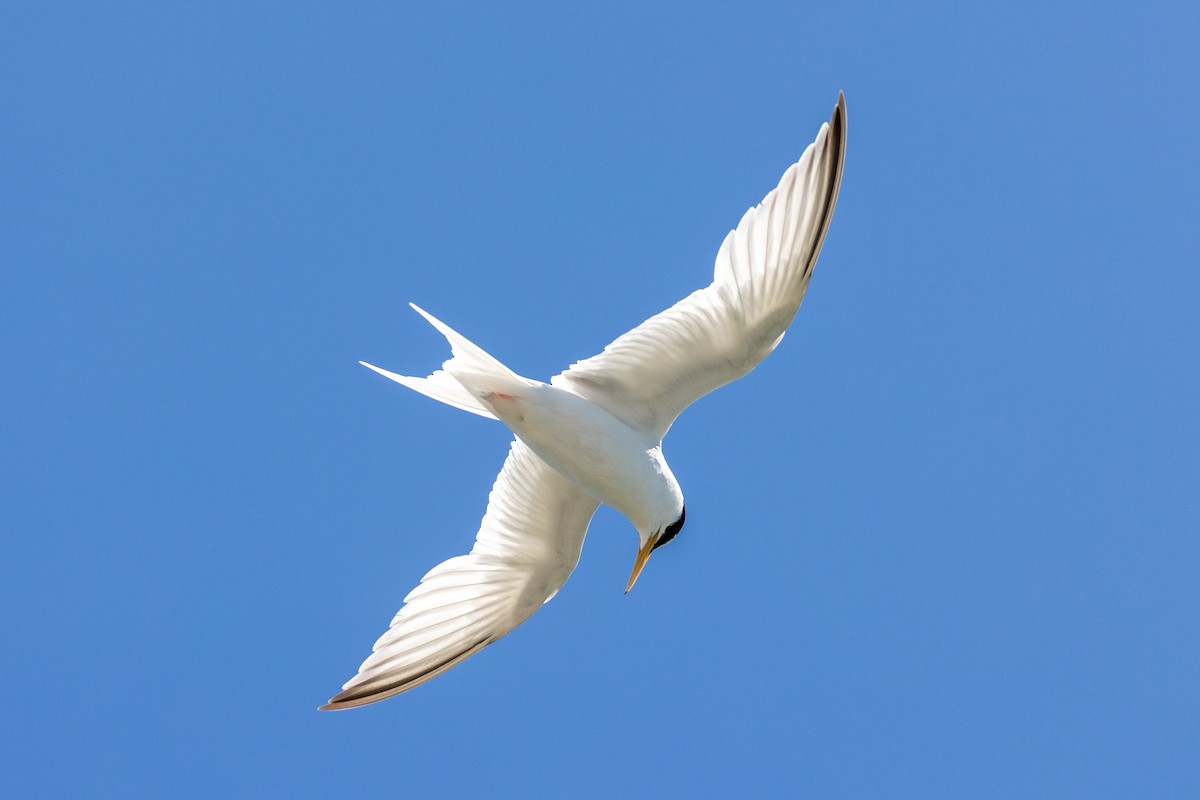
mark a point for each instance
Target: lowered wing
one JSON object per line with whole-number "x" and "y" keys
{"x": 527, "y": 546}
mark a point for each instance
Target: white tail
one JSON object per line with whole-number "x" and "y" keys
{"x": 470, "y": 366}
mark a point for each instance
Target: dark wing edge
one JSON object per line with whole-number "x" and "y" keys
{"x": 528, "y": 545}
{"x": 715, "y": 335}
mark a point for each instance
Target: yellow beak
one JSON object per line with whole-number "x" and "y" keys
{"x": 642, "y": 557}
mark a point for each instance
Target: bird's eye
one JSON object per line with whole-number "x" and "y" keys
{"x": 671, "y": 530}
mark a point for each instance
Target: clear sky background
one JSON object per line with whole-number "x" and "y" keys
{"x": 945, "y": 542}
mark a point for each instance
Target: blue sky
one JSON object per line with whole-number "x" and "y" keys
{"x": 943, "y": 543}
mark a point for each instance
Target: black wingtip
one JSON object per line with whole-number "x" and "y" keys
{"x": 336, "y": 703}
{"x": 361, "y": 696}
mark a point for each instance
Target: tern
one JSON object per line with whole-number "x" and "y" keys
{"x": 594, "y": 433}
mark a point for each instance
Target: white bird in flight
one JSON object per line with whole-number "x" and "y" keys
{"x": 594, "y": 433}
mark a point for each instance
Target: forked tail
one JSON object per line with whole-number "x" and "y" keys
{"x": 469, "y": 367}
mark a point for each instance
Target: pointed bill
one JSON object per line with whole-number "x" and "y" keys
{"x": 640, "y": 562}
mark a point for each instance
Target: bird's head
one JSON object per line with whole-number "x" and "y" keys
{"x": 653, "y": 539}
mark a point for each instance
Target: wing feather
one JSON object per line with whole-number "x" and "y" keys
{"x": 718, "y": 334}
{"x": 526, "y": 548}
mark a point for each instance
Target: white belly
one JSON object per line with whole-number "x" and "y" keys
{"x": 602, "y": 455}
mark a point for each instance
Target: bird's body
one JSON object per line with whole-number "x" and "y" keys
{"x": 618, "y": 466}
{"x": 594, "y": 433}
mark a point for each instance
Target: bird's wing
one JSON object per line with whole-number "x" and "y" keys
{"x": 526, "y": 548}
{"x": 718, "y": 334}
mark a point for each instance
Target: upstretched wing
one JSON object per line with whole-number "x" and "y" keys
{"x": 718, "y": 334}
{"x": 525, "y": 550}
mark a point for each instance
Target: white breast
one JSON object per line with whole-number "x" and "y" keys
{"x": 601, "y": 454}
